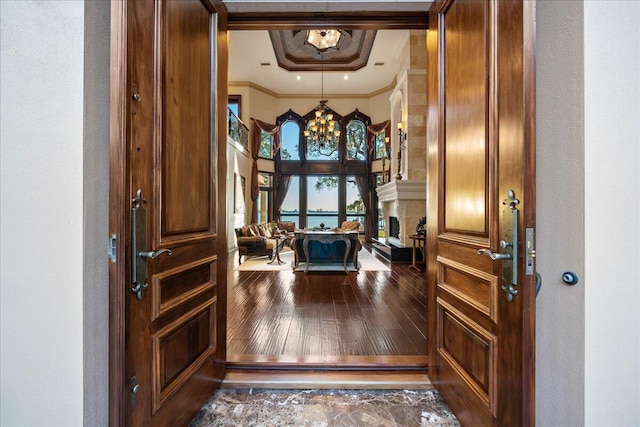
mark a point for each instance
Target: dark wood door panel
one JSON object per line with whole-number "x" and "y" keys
{"x": 473, "y": 287}
{"x": 465, "y": 110}
{"x": 467, "y": 352}
{"x": 180, "y": 349}
{"x": 185, "y": 156}
{"x": 178, "y": 286}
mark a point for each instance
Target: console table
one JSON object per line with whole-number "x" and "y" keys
{"x": 419, "y": 241}
{"x": 302, "y": 251}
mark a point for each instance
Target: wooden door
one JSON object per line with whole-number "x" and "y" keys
{"x": 166, "y": 56}
{"x": 481, "y": 146}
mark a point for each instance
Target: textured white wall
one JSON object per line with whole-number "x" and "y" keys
{"x": 588, "y": 213}
{"x": 560, "y": 214}
{"x": 612, "y": 215}
{"x": 96, "y": 213}
{"x": 41, "y": 302}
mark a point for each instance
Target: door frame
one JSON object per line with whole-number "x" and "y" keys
{"x": 120, "y": 194}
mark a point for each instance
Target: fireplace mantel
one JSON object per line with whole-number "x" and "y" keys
{"x": 406, "y": 201}
{"x": 402, "y": 190}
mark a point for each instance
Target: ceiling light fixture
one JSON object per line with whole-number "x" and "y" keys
{"x": 322, "y": 131}
{"x": 324, "y": 39}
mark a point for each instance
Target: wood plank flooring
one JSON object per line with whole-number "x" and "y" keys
{"x": 366, "y": 319}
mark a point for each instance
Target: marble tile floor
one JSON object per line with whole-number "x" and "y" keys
{"x": 324, "y": 408}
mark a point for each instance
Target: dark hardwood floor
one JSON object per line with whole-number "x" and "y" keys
{"x": 369, "y": 319}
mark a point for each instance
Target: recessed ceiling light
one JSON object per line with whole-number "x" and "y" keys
{"x": 298, "y": 77}
{"x": 346, "y": 77}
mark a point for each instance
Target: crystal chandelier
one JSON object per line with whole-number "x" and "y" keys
{"x": 321, "y": 132}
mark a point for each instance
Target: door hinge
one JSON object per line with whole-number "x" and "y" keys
{"x": 134, "y": 387}
{"x": 113, "y": 246}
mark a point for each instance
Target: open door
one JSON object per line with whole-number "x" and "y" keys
{"x": 481, "y": 188}
{"x": 168, "y": 172}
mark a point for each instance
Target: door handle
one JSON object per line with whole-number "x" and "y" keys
{"x": 496, "y": 256}
{"x": 154, "y": 254}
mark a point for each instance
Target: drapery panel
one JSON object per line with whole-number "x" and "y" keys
{"x": 273, "y": 130}
{"x": 281, "y": 189}
{"x": 362, "y": 181}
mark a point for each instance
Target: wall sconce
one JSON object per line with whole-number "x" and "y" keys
{"x": 402, "y": 135}
{"x": 402, "y": 138}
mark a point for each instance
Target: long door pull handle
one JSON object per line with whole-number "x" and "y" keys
{"x": 494, "y": 255}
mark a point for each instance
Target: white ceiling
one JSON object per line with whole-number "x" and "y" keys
{"x": 248, "y": 49}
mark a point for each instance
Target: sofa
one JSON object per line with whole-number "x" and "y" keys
{"x": 257, "y": 240}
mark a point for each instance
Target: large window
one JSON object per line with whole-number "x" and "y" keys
{"x": 355, "y": 206}
{"x": 290, "y": 138}
{"x": 325, "y": 175}
{"x": 322, "y": 201}
{"x": 290, "y": 210}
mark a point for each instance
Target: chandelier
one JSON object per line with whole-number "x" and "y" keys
{"x": 323, "y": 39}
{"x": 321, "y": 132}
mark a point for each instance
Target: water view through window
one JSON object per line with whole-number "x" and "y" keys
{"x": 322, "y": 201}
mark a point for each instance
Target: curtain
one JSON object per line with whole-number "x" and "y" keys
{"x": 284, "y": 182}
{"x": 258, "y": 128}
{"x": 362, "y": 181}
{"x": 373, "y": 130}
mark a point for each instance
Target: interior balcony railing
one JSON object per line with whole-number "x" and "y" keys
{"x": 238, "y": 131}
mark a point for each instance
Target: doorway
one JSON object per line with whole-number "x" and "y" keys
{"x": 248, "y": 346}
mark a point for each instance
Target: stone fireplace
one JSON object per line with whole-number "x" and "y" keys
{"x": 404, "y": 200}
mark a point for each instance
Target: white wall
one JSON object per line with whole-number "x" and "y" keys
{"x": 560, "y": 214}
{"x": 41, "y": 301}
{"x": 96, "y": 212}
{"x": 588, "y": 213}
{"x": 239, "y": 162}
{"x": 612, "y": 214}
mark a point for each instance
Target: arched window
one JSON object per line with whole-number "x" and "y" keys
{"x": 356, "y": 140}
{"x": 290, "y": 141}
{"x": 320, "y": 149}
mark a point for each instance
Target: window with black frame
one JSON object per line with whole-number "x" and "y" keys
{"x": 324, "y": 189}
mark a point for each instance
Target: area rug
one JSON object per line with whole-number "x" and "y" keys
{"x": 367, "y": 262}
